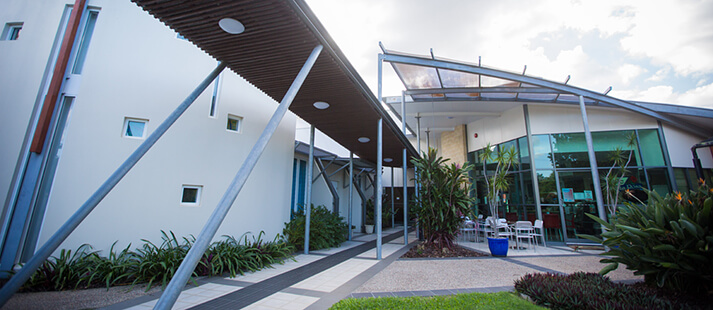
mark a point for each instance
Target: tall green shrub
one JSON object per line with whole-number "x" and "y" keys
{"x": 443, "y": 198}
{"x": 669, "y": 240}
{"x": 326, "y": 229}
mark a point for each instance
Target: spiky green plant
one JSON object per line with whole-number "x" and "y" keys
{"x": 443, "y": 198}
{"x": 669, "y": 240}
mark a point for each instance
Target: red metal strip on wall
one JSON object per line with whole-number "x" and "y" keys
{"x": 60, "y": 68}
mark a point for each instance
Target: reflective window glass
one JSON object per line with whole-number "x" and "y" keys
{"x": 548, "y": 186}
{"x": 524, "y": 153}
{"x": 606, "y": 144}
{"x": 570, "y": 150}
{"x": 658, "y": 181}
{"x": 543, "y": 156}
{"x": 417, "y": 77}
{"x": 651, "y": 147}
{"x": 452, "y": 78}
{"x": 681, "y": 179}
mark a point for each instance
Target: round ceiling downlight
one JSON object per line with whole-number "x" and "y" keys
{"x": 321, "y": 105}
{"x": 231, "y": 26}
{"x": 388, "y": 160}
{"x": 364, "y": 139}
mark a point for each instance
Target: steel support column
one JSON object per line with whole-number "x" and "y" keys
{"x": 173, "y": 289}
{"x": 379, "y": 164}
{"x": 592, "y": 162}
{"x": 308, "y": 188}
{"x": 379, "y": 188}
{"x": 533, "y": 168}
{"x": 405, "y": 167}
{"x": 63, "y": 232}
{"x": 392, "y": 197}
{"x": 351, "y": 194}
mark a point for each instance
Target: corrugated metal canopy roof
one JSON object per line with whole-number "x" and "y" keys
{"x": 278, "y": 38}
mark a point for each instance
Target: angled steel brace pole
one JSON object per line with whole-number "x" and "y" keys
{"x": 308, "y": 188}
{"x": 351, "y": 194}
{"x": 63, "y": 232}
{"x": 592, "y": 163}
{"x": 169, "y": 296}
{"x": 330, "y": 186}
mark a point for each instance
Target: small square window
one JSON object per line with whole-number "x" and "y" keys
{"x": 11, "y": 31}
{"x": 191, "y": 194}
{"x": 135, "y": 128}
{"x": 234, "y": 123}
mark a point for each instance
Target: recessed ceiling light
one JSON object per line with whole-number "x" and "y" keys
{"x": 364, "y": 139}
{"x": 321, "y": 105}
{"x": 231, "y": 26}
{"x": 388, "y": 160}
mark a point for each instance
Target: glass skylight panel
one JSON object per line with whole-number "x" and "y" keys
{"x": 498, "y": 95}
{"x": 452, "y": 78}
{"x": 463, "y": 95}
{"x": 487, "y": 81}
{"x": 417, "y": 77}
{"x": 537, "y": 96}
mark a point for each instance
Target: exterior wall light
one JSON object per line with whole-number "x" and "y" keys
{"x": 364, "y": 139}
{"x": 231, "y": 26}
{"x": 321, "y": 105}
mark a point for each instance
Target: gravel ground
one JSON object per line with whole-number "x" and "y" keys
{"x": 79, "y": 299}
{"x": 430, "y": 274}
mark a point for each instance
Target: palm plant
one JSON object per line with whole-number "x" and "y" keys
{"x": 498, "y": 182}
{"x": 612, "y": 180}
{"x": 443, "y": 198}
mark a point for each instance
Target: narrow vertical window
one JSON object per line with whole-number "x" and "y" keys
{"x": 84, "y": 44}
{"x": 191, "y": 195}
{"x": 11, "y": 31}
{"x": 214, "y": 99}
{"x": 134, "y": 128}
{"x": 234, "y": 123}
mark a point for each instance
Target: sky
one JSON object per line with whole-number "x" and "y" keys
{"x": 656, "y": 51}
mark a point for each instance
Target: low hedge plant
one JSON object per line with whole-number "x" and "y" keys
{"x": 327, "y": 229}
{"x": 153, "y": 264}
{"x": 589, "y": 291}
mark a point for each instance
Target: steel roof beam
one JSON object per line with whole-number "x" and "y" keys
{"x": 547, "y": 84}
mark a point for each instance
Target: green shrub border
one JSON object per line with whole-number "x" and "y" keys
{"x": 153, "y": 264}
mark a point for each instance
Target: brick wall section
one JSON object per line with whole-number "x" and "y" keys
{"x": 453, "y": 145}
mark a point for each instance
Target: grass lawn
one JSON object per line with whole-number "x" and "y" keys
{"x": 501, "y": 300}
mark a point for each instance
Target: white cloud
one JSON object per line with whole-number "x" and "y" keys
{"x": 698, "y": 97}
{"x": 658, "y": 36}
{"x": 627, "y": 72}
{"x": 679, "y": 33}
{"x": 659, "y": 75}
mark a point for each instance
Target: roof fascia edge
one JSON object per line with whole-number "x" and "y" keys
{"x": 544, "y": 83}
{"x": 323, "y": 36}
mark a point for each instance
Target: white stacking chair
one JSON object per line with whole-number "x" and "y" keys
{"x": 523, "y": 230}
{"x": 538, "y": 231}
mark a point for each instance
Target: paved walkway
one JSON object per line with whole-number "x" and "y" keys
{"x": 322, "y": 278}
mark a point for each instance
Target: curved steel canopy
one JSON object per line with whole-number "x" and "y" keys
{"x": 447, "y": 80}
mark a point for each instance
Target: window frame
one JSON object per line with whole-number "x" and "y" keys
{"x": 239, "y": 126}
{"x": 11, "y": 31}
{"x": 199, "y": 193}
{"x": 138, "y": 120}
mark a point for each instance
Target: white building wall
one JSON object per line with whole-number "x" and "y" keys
{"x": 546, "y": 119}
{"x": 322, "y": 196}
{"x": 679, "y": 145}
{"x": 20, "y": 93}
{"x": 136, "y": 67}
{"x": 508, "y": 126}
